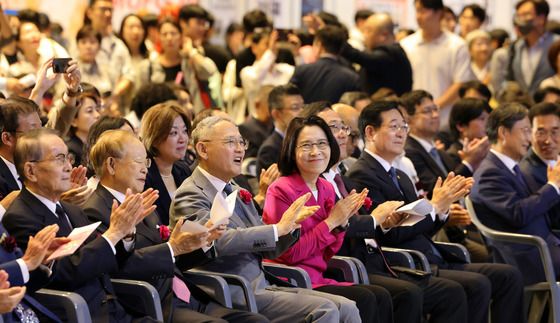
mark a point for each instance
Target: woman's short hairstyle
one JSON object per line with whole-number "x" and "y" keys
{"x": 110, "y": 144}
{"x": 464, "y": 111}
{"x": 287, "y": 162}
{"x": 87, "y": 31}
{"x": 157, "y": 122}
{"x": 476, "y": 34}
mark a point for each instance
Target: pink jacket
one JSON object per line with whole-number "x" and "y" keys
{"x": 316, "y": 245}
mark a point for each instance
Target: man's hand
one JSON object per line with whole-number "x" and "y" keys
{"x": 295, "y": 214}
{"x": 268, "y": 176}
{"x": 215, "y": 233}
{"x": 4, "y": 282}
{"x": 185, "y": 242}
{"x": 149, "y": 197}
{"x": 553, "y": 174}
{"x": 38, "y": 247}
{"x": 10, "y": 298}
{"x": 394, "y": 219}
{"x": 382, "y": 212}
{"x": 124, "y": 217}
{"x": 77, "y": 196}
{"x": 458, "y": 215}
{"x": 449, "y": 191}
{"x": 345, "y": 208}
{"x": 72, "y": 76}
{"x": 55, "y": 244}
{"x": 78, "y": 176}
{"x": 474, "y": 151}
{"x": 8, "y": 199}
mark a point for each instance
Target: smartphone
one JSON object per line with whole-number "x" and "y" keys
{"x": 60, "y": 64}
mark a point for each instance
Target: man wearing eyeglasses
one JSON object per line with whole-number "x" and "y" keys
{"x": 41, "y": 158}
{"x": 220, "y": 149}
{"x": 545, "y": 147}
{"x": 469, "y": 286}
{"x": 285, "y": 103}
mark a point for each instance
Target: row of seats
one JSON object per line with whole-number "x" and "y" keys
{"x": 220, "y": 285}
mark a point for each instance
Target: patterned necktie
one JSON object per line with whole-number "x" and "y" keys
{"x": 435, "y": 155}
{"x": 394, "y": 178}
{"x": 63, "y": 222}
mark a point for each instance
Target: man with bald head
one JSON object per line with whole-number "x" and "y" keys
{"x": 349, "y": 116}
{"x": 384, "y": 62}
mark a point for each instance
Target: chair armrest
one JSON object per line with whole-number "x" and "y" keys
{"x": 456, "y": 248}
{"x": 72, "y": 304}
{"x": 212, "y": 284}
{"x": 399, "y": 257}
{"x": 347, "y": 266}
{"x": 239, "y": 281}
{"x": 142, "y": 293}
{"x": 295, "y": 275}
{"x": 362, "y": 271}
{"x": 420, "y": 260}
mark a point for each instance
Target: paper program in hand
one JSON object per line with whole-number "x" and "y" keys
{"x": 416, "y": 211}
{"x": 77, "y": 238}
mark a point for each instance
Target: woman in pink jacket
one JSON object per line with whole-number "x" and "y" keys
{"x": 309, "y": 149}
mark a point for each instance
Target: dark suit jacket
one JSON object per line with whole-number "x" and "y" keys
{"x": 148, "y": 240}
{"x": 8, "y": 183}
{"x": 503, "y": 203}
{"x": 76, "y": 148}
{"x": 327, "y": 79}
{"x": 180, "y": 172}
{"x": 368, "y": 173}
{"x": 256, "y": 133}
{"x": 269, "y": 153}
{"x": 82, "y": 272}
{"x": 384, "y": 66}
{"x": 426, "y": 167}
{"x": 37, "y": 279}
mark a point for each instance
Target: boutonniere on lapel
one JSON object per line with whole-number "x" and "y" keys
{"x": 367, "y": 203}
{"x": 164, "y": 232}
{"x": 329, "y": 204}
{"x": 8, "y": 242}
{"x": 245, "y": 196}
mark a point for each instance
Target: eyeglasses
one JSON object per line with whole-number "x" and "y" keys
{"x": 543, "y": 134}
{"x": 396, "y": 127}
{"x": 60, "y": 159}
{"x": 336, "y": 128}
{"x": 233, "y": 142}
{"x": 146, "y": 162}
{"x": 429, "y": 110}
{"x": 308, "y": 146}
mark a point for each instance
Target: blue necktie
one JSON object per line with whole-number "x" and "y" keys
{"x": 228, "y": 189}
{"x": 435, "y": 155}
{"x": 519, "y": 176}
{"x": 394, "y": 178}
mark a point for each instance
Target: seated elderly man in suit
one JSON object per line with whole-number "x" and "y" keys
{"x": 507, "y": 200}
{"x": 41, "y": 158}
{"x": 384, "y": 130}
{"x": 120, "y": 162}
{"x": 545, "y": 147}
{"x": 24, "y": 273}
{"x": 220, "y": 149}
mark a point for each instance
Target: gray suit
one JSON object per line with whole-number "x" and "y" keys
{"x": 543, "y": 70}
{"x": 241, "y": 249}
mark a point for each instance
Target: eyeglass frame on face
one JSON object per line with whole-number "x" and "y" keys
{"x": 394, "y": 128}
{"x": 544, "y": 134}
{"x": 147, "y": 162}
{"x": 60, "y": 159}
{"x": 337, "y": 128}
{"x": 307, "y": 146}
{"x": 231, "y": 141}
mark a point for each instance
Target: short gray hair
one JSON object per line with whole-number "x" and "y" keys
{"x": 30, "y": 148}
{"x": 204, "y": 127}
{"x": 476, "y": 34}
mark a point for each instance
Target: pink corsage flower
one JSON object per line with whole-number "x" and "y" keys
{"x": 164, "y": 232}
{"x": 8, "y": 243}
{"x": 367, "y": 203}
{"x": 245, "y": 196}
{"x": 329, "y": 204}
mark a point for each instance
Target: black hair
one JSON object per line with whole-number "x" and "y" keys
{"x": 255, "y": 19}
{"x": 362, "y": 14}
{"x": 276, "y": 96}
{"x": 351, "y": 97}
{"x": 87, "y": 31}
{"x": 411, "y": 99}
{"x": 477, "y": 11}
{"x": 500, "y": 35}
{"x": 431, "y": 4}
{"x": 504, "y": 116}
{"x": 143, "y": 48}
{"x": 541, "y": 6}
{"x": 464, "y": 111}
{"x": 314, "y": 108}
{"x": 371, "y": 114}
{"x": 544, "y": 109}
{"x": 149, "y": 95}
{"x": 332, "y": 39}
{"x": 150, "y": 20}
{"x": 477, "y": 86}
{"x": 540, "y": 94}
{"x": 446, "y": 9}
{"x": 287, "y": 162}
{"x": 192, "y": 11}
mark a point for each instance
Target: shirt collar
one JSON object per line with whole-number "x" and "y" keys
{"x": 386, "y": 165}
{"x": 118, "y": 195}
{"x": 216, "y": 182}
{"x": 280, "y": 132}
{"x": 424, "y": 143}
{"x": 508, "y": 161}
{"x": 12, "y": 169}
{"x": 48, "y": 203}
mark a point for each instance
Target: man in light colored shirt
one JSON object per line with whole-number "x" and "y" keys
{"x": 440, "y": 60}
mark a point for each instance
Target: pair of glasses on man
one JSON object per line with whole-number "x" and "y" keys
{"x": 232, "y": 142}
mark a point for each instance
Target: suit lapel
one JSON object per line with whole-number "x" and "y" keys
{"x": 381, "y": 174}
{"x": 430, "y": 162}
{"x": 518, "y": 186}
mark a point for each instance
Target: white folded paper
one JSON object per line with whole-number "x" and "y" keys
{"x": 221, "y": 211}
{"x": 416, "y": 211}
{"x": 77, "y": 238}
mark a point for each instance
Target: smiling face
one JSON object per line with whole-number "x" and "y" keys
{"x": 516, "y": 141}
{"x": 216, "y": 155}
{"x": 130, "y": 171}
{"x": 386, "y": 141}
{"x": 87, "y": 114}
{"x": 546, "y": 136}
{"x": 425, "y": 121}
{"x": 313, "y": 152}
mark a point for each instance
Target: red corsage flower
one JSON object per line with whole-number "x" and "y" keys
{"x": 9, "y": 243}
{"x": 329, "y": 204}
{"x": 367, "y": 203}
{"x": 164, "y": 232}
{"x": 245, "y": 196}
